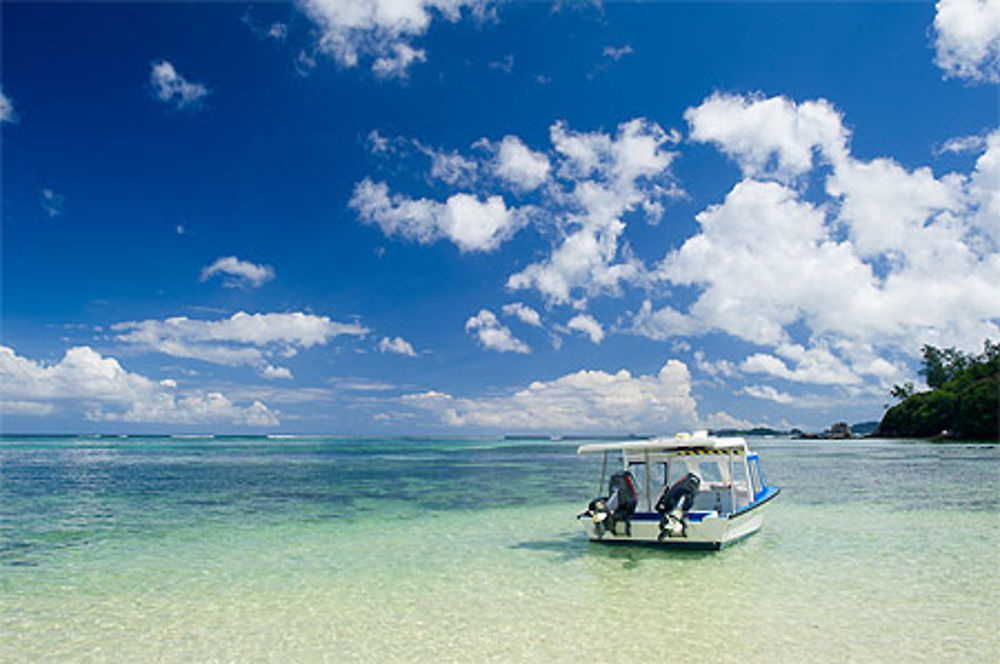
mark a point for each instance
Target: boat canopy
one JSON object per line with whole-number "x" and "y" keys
{"x": 697, "y": 441}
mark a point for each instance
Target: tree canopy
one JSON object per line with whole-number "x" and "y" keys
{"x": 963, "y": 402}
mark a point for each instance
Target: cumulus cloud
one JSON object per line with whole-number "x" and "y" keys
{"x": 472, "y": 224}
{"x": 238, "y": 273}
{"x": 605, "y": 178}
{"x": 272, "y": 373}
{"x": 396, "y": 63}
{"x": 984, "y": 188}
{"x": 493, "y": 335}
{"x": 892, "y": 258}
{"x": 768, "y": 136}
{"x": 84, "y": 380}
{"x": 449, "y": 167}
{"x": 173, "y": 89}
{"x": 588, "y": 326}
{"x": 814, "y": 365}
{"x": 768, "y": 393}
{"x": 520, "y": 166}
{"x": 715, "y": 369}
{"x": 6, "y": 108}
{"x": 587, "y": 183}
{"x": 242, "y": 339}
{"x": 397, "y": 345}
{"x": 664, "y": 323}
{"x": 523, "y": 312}
{"x": 383, "y": 30}
{"x": 967, "y": 39}
{"x": 584, "y": 401}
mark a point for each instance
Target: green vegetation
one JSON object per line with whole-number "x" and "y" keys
{"x": 963, "y": 402}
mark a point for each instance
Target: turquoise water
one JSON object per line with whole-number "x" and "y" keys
{"x": 312, "y": 550}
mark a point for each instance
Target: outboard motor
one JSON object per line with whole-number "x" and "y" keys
{"x": 674, "y": 504}
{"x": 618, "y": 506}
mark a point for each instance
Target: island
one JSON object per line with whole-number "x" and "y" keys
{"x": 962, "y": 402}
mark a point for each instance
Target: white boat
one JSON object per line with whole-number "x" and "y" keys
{"x": 691, "y": 491}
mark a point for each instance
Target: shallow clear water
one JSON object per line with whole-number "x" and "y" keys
{"x": 233, "y": 549}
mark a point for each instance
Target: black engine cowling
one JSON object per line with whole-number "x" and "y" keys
{"x": 674, "y": 504}
{"x": 618, "y": 506}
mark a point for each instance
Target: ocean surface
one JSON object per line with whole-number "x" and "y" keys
{"x": 338, "y": 549}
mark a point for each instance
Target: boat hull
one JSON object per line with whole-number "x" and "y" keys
{"x": 703, "y": 530}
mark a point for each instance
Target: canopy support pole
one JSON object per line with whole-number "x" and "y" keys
{"x": 732, "y": 484}
{"x": 649, "y": 497}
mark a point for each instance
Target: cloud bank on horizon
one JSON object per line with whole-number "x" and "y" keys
{"x": 809, "y": 279}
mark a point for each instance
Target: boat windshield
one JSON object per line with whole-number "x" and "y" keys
{"x": 723, "y": 478}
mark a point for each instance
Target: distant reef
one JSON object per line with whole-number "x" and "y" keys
{"x": 963, "y": 402}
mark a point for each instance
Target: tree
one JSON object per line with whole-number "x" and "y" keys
{"x": 903, "y": 392}
{"x": 964, "y": 400}
{"x": 940, "y": 366}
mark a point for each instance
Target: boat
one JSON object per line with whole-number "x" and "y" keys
{"x": 691, "y": 491}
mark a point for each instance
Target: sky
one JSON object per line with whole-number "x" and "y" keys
{"x": 466, "y": 217}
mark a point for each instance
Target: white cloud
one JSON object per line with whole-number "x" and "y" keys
{"x": 588, "y": 183}
{"x": 26, "y": 408}
{"x": 378, "y": 143}
{"x": 519, "y": 166}
{"x": 494, "y": 336}
{"x": 504, "y": 64}
{"x": 585, "y": 401}
{"x": 472, "y": 224}
{"x": 587, "y": 325}
{"x": 173, "y": 89}
{"x": 272, "y": 373}
{"x": 617, "y": 53}
{"x": 83, "y": 380}
{"x": 762, "y": 258}
{"x": 53, "y": 204}
{"x": 239, "y": 273}
{"x": 606, "y": 178}
{"x": 715, "y": 369}
{"x": 397, "y": 345}
{"x": 523, "y": 312}
{"x": 242, "y": 339}
{"x": 984, "y": 188}
{"x": 277, "y": 31}
{"x": 396, "y": 64}
{"x": 768, "y": 137}
{"x": 723, "y": 420}
{"x": 663, "y": 323}
{"x": 450, "y": 167}
{"x": 768, "y": 393}
{"x": 963, "y": 144}
{"x": 968, "y": 39}
{"x": 350, "y": 30}
{"x": 889, "y": 209}
{"x": 891, "y": 259}
{"x": 814, "y": 365}
{"x": 7, "y": 113}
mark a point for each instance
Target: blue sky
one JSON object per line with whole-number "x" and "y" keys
{"x": 475, "y": 217}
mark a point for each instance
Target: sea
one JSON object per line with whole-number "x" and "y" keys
{"x": 337, "y": 549}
